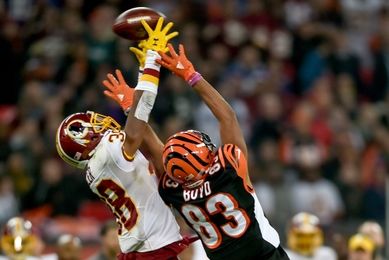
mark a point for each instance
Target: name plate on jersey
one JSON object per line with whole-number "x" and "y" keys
{"x": 198, "y": 193}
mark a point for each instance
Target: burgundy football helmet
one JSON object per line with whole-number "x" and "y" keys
{"x": 79, "y": 134}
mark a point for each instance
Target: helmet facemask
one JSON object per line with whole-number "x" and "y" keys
{"x": 305, "y": 235}
{"x": 101, "y": 123}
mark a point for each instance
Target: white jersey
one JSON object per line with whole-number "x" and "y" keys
{"x": 322, "y": 253}
{"x": 130, "y": 190}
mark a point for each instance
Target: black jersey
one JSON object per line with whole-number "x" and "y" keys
{"x": 224, "y": 211}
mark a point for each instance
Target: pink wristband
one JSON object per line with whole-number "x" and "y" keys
{"x": 194, "y": 78}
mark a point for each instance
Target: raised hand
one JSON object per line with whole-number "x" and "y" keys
{"x": 118, "y": 90}
{"x": 177, "y": 63}
{"x": 158, "y": 38}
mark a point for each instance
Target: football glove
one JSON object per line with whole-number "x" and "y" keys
{"x": 178, "y": 64}
{"x": 158, "y": 38}
{"x": 118, "y": 90}
{"x": 140, "y": 55}
{"x": 156, "y": 41}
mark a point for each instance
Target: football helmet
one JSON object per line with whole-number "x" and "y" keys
{"x": 186, "y": 156}
{"x": 361, "y": 242}
{"x": 79, "y": 134}
{"x": 18, "y": 240}
{"x": 305, "y": 234}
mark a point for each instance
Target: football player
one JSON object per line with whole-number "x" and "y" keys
{"x": 19, "y": 242}
{"x": 211, "y": 187}
{"x": 305, "y": 239}
{"x": 117, "y": 171}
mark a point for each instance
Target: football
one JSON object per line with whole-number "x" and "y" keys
{"x": 128, "y": 24}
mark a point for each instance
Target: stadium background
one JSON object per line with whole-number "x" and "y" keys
{"x": 308, "y": 80}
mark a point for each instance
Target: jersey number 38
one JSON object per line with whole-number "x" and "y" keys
{"x": 120, "y": 203}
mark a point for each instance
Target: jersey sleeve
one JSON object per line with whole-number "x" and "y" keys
{"x": 231, "y": 156}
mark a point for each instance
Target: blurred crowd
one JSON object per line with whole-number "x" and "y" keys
{"x": 308, "y": 79}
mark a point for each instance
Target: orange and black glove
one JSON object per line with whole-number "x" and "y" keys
{"x": 118, "y": 90}
{"x": 179, "y": 64}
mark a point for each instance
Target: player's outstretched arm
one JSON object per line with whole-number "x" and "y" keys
{"x": 144, "y": 97}
{"x": 121, "y": 93}
{"x": 137, "y": 103}
{"x": 179, "y": 64}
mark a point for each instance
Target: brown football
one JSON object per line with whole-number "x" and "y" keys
{"x": 128, "y": 24}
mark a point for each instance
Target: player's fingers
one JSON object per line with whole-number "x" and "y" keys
{"x": 120, "y": 77}
{"x": 172, "y": 51}
{"x": 141, "y": 44}
{"x": 112, "y": 79}
{"x": 165, "y": 57}
{"x": 158, "y": 27}
{"x": 163, "y": 64}
{"x": 135, "y": 50}
{"x": 165, "y": 50}
{"x": 181, "y": 50}
{"x": 167, "y": 28}
{"x": 171, "y": 35}
{"x": 146, "y": 26}
{"x": 108, "y": 85}
{"x": 111, "y": 95}
{"x": 138, "y": 53}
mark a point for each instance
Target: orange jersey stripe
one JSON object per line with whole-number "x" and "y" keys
{"x": 238, "y": 161}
